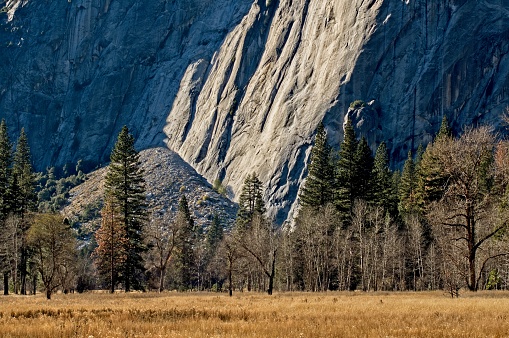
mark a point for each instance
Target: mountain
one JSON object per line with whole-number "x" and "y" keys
{"x": 239, "y": 86}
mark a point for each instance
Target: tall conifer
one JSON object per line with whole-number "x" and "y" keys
{"x": 364, "y": 164}
{"x": 346, "y": 172}
{"x": 431, "y": 181}
{"x": 110, "y": 254}
{"x": 381, "y": 178}
{"x": 125, "y": 190}
{"x": 23, "y": 199}
{"x": 186, "y": 261}
{"x": 408, "y": 183}
{"x": 318, "y": 189}
{"x": 5, "y": 170}
{"x": 250, "y": 200}
{"x": 5, "y": 177}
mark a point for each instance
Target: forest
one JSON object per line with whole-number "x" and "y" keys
{"x": 438, "y": 224}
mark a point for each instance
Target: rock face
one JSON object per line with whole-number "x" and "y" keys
{"x": 290, "y": 64}
{"x": 74, "y": 72}
{"x": 239, "y": 86}
{"x": 167, "y": 178}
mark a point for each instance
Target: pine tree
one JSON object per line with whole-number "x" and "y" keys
{"x": 110, "y": 253}
{"x": 381, "y": 178}
{"x": 125, "y": 190}
{"x": 319, "y": 185}
{"x": 23, "y": 191}
{"x": 407, "y": 186}
{"x": 23, "y": 198}
{"x": 250, "y": 200}
{"x": 445, "y": 130}
{"x": 364, "y": 164}
{"x": 185, "y": 244}
{"x": 5, "y": 170}
{"x": 346, "y": 172}
{"x": 215, "y": 234}
{"x": 5, "y": 177}
{"x": 431, "y": 181}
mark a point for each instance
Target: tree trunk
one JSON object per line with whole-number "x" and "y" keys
{"x": 230, "y": 282}
{"x": 161, "y": 279}
{"x": 6, "y": 283}
{"x": 472, "y": 276}
{"x": 48, "y": 293}
{"x": 272, "y": 274}
{"x": 34, "y": 283}
{"x": 23, "y": 269}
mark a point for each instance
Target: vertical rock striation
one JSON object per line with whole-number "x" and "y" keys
{"x": 291, "y": 63}
{"x": 73, "y": 72}
{"x": 239, "y": 86}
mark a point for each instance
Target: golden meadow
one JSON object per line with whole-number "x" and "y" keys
{"x": 332, "y": 314}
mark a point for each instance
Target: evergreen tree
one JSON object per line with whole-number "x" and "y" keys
{"x": 5, "y": 170}
{"x": 110, "y": 253}
{"x": 125, "y": 190}
{"x": 408, "y": 184}
{"x": 185, "y": 244}
{"x": 364, "y": 163}
{"x": 250, "y": 200}
{"x": 215, "y": 234}
{"x": 445, "y": 130}
{"x": 381, "y": 178}
{"x": 23, "y": 190}
{"x": 346, "y": 172}
{"x": 319, "y": 186}
{"x": 23, "y": 199}
{"x": 431, "y": 180}
{"x": 5, "y": 177}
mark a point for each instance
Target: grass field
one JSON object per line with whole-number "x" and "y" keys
{"x": 330, "y": 314}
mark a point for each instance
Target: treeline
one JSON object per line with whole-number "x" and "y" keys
{"x": 440, "y": 223}
{"x": 24, "y": 196}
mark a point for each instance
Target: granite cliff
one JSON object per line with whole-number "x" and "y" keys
{"x": 239, "y": 86}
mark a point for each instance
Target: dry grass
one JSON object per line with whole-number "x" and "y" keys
{"x": 256, "y": 315}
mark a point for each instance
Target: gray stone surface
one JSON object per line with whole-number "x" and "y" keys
{"x": 167, "y": 178}
{"x": 239, "y": 86}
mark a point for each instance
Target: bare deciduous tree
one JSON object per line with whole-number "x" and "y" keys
{"x": 471, "y": 207}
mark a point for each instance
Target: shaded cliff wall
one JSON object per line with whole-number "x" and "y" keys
{"x": 73, "y": 72}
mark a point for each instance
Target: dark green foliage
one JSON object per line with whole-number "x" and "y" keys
{"x": 346, "y": 172}
{"x": 23, "y": 185}
{"x": 219, "y": 187}
{"x": 53, "y": 193}
{"x": 215, "y": 233}
{"x": 431, "y": 181}
{"x": 125, "y": 189}
{"x": 407, "y": 187}
{"x": 357, "y": 104}
{"x": 186, "y": 239}
{"x": 318, "y": 190}
{"x": 5, "y": 171}
{"x": 364, "y": 163}
{"x": 382, "y": 184}
{"x": 445, "y": 130}
{"x": 23, "y": 199}
{"x": 250, "y": 200}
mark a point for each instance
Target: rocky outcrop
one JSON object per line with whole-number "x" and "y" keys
{"x": 240, "y": 86}
{"x": 167, "y": 179}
